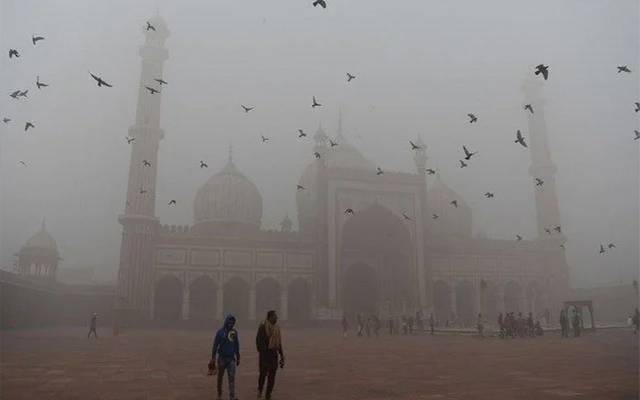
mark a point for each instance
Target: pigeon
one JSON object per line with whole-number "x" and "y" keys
{"x": 611, "y": 246}
{"x": 637, "y": 106}
{"x": 405, "y": 216}
{"x": 15, "y": 94}
{"x": 143, "y": 191}
{"x": 558, "y": 229}
{"x": 264, "y": 138}
{"x": 321, "y": 3}
{"x": 40, "y": 84}
{"x": 13, "y": 53}
{"x": 548, "y": 231}
{"x": 332, "y": 143}
{"x": 160, "y": 81}
{"x": 300, "y": 187}
{"x": 316, "y": 154}
{"x": 130, "y": 139}
{"x": 6, "y": 120}
{"x": 637, "y": 132}
{"x": 28, "y": 125}
{"x": 489, "y": 195}
{"x": 150, "y": 27}
{"x": 35, "y": 39}
{"x": 203, "y": 164}
{"x": 301, "y": 133}
{"x": 467, "y": 153}
{"x": 350, "y": 77}
{"x": 435, "y": 216}
{"x": 454, "y": 203}
{"x": 100, "y": 81}
{"x": 542, "y": 69}
{"x": 430, "y": 171}
{"x": 172, "y": 202}
{"x": 23, "y": 93}
{"x": 146, "y": 163}
{"x": 23, "y": 163}
{"x": 463, "y": 164}
{"x": 518, "y": 238}
{"x": 520, "y": 139}
{"x": 246, "y": 109}
{"x": 528, "y": 107}
{"x": 624, "y": 68}
{"x": 349, "y": 211}
{"x": 379, "y": 171}
{"x": 539, "y": 182}
{"x": 152, "y": 90}
{"x": 472, "y": 118}
{"x": 315, "y": 103}
{"x": 563, "y": 246}
{"x": 602, "y": 250}
{"x": 414, "y": 146}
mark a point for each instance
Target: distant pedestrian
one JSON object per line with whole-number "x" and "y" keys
{"x": 576, "y": 323}
{"x": 376, "y": 325}
{"x": 501, "y": 326}
{"x": 480, "y": 325}
{"x": 391, "y": 325}
{"x": 530, "y": 325}
{"x": 564, "y": 323}
{"x": 636, "y": 321}
{"x": 432, "y": 324}
{"x": 93, "y": 326}
{"x": 345, "y": 326}
{"x": 269, "y": 345}
{"x": 538, "y": 329}
{"x": 360, "y": 324}
{"x": 367, "y": 326}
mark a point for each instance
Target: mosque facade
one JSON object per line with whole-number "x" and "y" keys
{"x": 405, "y": 248}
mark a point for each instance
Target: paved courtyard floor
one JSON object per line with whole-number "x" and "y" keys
{"x": 165, "y": 364}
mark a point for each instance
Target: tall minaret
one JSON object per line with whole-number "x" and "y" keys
{"x": 138, "y": 221}
{"x": 542, "y": 166}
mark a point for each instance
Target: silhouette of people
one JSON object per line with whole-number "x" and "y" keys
{"x": 530, "y": 325}
{"x": 576, "y": 323}
{"x": 480, "y": 325}
{"x": 360, "y": 324}
{"x": 345, "y": 326}
{"x": 564, "y": 323}
{"x": 226, "y": 346}
{"x": 93, "y": 326}
{"x": 636, "y": 321}
{"x": 269, "y": 346}
{"x": 501, "y": 326}
{"x": 432, "y": 323}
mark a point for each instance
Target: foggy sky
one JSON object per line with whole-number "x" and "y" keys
{"x": 421, "y": 66}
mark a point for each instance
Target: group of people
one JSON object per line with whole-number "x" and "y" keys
{"x": 225, "y": 354}
{"x": 512, "y": 325}
{"x": 372, "y": 324}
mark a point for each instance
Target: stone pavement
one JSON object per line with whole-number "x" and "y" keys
{"x": 163, "y": 364}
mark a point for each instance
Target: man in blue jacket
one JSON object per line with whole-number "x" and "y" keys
{"x": 226, "y": 345}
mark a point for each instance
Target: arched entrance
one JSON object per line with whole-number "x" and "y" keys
{"x": 267, "y": 297}
{"x": 168, "y": 299}
{"x": 376, "y": 262}
{"x": 202, "y": 299}
{"x": 512, "y": 295}
{"x": 491, "y": 302}
{"x": 442, "y": 301}
{"x": 299, "y": 301}
{"x": 465, "y": 303}
{"x": 236, "y": 298}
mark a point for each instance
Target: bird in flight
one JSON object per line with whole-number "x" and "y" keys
{"x": 23, "y": 93}
{"x": 28, "y": 125}
{"x": 489, "y": 195}
{"x": 542, "y": 69}
{"x": 637, "y": 134}
{"x": 150, "y": 27}
{"x": 379, "y": 171}
{"x": 350, "y": 77}
{"x": 539, "y": 182}
{"x": 100, "y": 81}
{"x": 602, "y": 250}
{"x": 435, "y": 216}
{"x": 321, "y": 3}
{"x": 467, "y": 153}
{"x": 15, "y": 94}
{"x": 463, "y": 164}
{"x": 142, "y": 191}
{"x": 624, "y": 68}
{"x": 146, "y": 163}
{"x": 430, "y": 171}
{"x": 246, "y": 109}
{"x": 548, "y": 231}
{"x": 518, "y": 238}
{"x": 637, "y": 106}
{"x": 301, "y": 133}
{"x": 35, "y": 39}
{"x": 405, "y": 216}
{"x": 454, "y": 203}
{"x": 172, "y": 202}
{"x": 6, "y": 120}
{"x": 130, "y": 139}
{"x": 611, "y": 246}
{"x": 332, "y": 143}
{"x": 414, "y": 146}
{"x": 315, "y": 103}
{"x": 300, "y": 187}
{"x": 264, "y": 138}
{"x": 349, "y": 211}
{"x": 23, "y": 163}
{"x": 13, "y": 53}
{"x": 472, "y": 118}
{"x": 558, "y": 229}
{"x": 203, "y": 164}
{"x": 40, "y": 84}
{"x": 316, "y": 154}
{"x": 563, "y": 246}
{"x": 520, "y": 139}
{"x": 528, "y": 107}
{"x": 152, "y": 90}
{"x": 160, "y": 81}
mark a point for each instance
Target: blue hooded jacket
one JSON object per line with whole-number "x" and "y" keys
{"x": 226, "y": 342}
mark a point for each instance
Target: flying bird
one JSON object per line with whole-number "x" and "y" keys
{"x": 28, "y": 125}
{"x": 316, "y": 154}
{"x": 624, "y": 68}
{"x": 405, "y": 216}
{"x": 637, "y": 134}
{"x": 301, "y": 133}
{"x": 160, "y": 81}
{"x": 264, "y": 138}
{"x": 563, "y": 246}
{"x": 15, "y": 94}
{"x": 321, "y": 3}
{"x": 315, "y": 103}
{"x": 300, "y": 187}
{"x": 489, "y": 195}
{"x": 349, "y": 211}
{"x": 454, "y": 203}
{"x": 520, "y": 139}
{"x": 13, "y": 53}
{"x": 172, "y": 202}
{"x": 467, "y": 153}
{"x": 23, "y": 163}
{"x": 350, "y": 77}
{"x": 518, "y": 238}
{"x": 414, "y": 146}
{"x": 434, "y": 216}
{"x": 539, "y": 182}
{"x": 637, "y": 106}
{"x": 150, "y": 27}
{"x": 146, "y": 163}
{"x": 245, "y": 108}
{"x": 6, "y": 120}
{"x": 548, "y": 231}
{"x": 130, "y": 139}
{"x": 542, "y": 69}
{"x": 35, "y": 39}
{"x": 203, "y": 164}
{"x": 379, "y": 171}
{"x": 462, "y": 164}
{"x": 23, "y": 93}
{"x": 430, "y": 171}
{"x": 528, "y": 107}
{"x": 100, "y": 81}
{"x": 152, "y": 90}
{"x": 142, "y": 191}
{"x": 558, "y": 229}
{"x": 40, "y": 84}
{"x": 472, "y": 118}
{"x": 611, "y": 246}
{"x": 332, "y": 143}
{"x": 602, "y": 250}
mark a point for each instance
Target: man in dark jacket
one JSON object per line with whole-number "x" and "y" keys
{"x": 269, "y": 346}
{"x": 226, "y": 345}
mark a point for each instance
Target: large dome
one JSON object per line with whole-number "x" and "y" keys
{"x": 42, "y": 240}
{"x": 228, "y": 197}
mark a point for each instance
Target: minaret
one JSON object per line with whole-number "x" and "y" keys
{"x": 139, "y": 222}
{"x": 542, "y": 166}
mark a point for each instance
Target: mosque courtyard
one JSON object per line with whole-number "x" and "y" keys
{"x": 321, "y": 364}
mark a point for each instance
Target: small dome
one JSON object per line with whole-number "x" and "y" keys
{"x": 42, "y": 240}
{"x": 228, "y": 197}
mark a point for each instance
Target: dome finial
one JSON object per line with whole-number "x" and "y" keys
{"x": 43, "y": 226}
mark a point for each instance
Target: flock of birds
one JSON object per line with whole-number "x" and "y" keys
{"x": 464, "y": 161}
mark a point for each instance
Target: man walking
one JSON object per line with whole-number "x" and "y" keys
{"x": 432, "y": 323}
{"x": 226, "y": 345}
{"x": 564, "y": 324}
{"x": 269, "y": 345}
{"x": 93, "y": 325}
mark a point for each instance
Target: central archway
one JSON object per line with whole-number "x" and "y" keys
{"x": 361, "y": 290}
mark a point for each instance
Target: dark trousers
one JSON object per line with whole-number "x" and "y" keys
{"x": 228, "y": 365}
{"x": 268, "y": 365}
